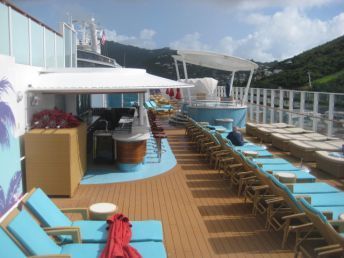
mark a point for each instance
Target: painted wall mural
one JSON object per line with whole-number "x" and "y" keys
{"x": 10, "y": 168}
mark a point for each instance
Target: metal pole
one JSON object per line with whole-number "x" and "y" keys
{"x": 141, "y": 101}
{"x": 177, "y": 69}
{"x": 265, "y": 93}
{"x": 258, "y": 106}
{"x": 330, "y": 115}
{"x": 281, "y": 106}
{"x": 315, "y": 111}
{"x": 232, "y": 82}
{"x": 186, "y": 79}
{"x": 272, "y": 111}
{"x": 247, "y": 87}
{"x": 302, "y": 109}
{"x": 291, "y": 106}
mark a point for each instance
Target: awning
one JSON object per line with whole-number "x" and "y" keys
{"x": 100, "y": 80}
{"x": 215, "y": 60}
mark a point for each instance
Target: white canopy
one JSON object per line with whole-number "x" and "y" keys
{"x": 215, "y": 60}
{"x": 101, "y": 80}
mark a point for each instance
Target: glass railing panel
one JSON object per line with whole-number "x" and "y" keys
{"x": 37, "y": 44}
{"x": 4, "y": 30}
{"x": 59, "y": 52}
{"x": 20, "y": 37}
{"x": 50, "y": 48}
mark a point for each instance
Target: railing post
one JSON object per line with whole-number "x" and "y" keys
{"x": 281, "y": 106}
{"x": 251, "y": 104}
{"x": 241, "y": 92}
{"x": 315, "y": 111}
{"x": 302, "y": 109}
{"x": 272, "y": 111}
{"x": 265, "y": 93}
{"x": 330, "y": 115}
{"x": 257, "y": 105}
{"x": 236, "y": 93}
{"x": 291, "y": 106}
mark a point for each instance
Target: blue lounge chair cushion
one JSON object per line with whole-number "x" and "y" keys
{"x": 327, "y": 199}
{"x": 46, "y": 211}
{"x": 95, "y": 231}
{"x": 146, "y": 249}
{"x": 11, "y": 250}
{"x": 31, "y": 235}
{"x": 301, "y": 176}
{"x": 316, "y": 188}
{"x": 335, "y": 210}
{"x": 272, "y": 161}
{"x": 279, "y": 167}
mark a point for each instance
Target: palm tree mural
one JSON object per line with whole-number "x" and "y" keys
{"x": 7, "y": 125}
{"x": 7, "y": 120}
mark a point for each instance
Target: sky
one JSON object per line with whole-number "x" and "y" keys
{"x": 262, "y": 30}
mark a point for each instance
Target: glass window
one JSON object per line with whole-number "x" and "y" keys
{"x": 59, "y": 52}
{"x": 68, "y": 51}
{"x": 37, "y": 44}
{"x": 20, "y": 38}
{"x": 50, "y": 48}
{"x": 74, "y": 50}
{"x": 4, "y": 30}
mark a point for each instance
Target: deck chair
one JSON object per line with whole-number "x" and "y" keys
{"x": 49, "y": 215}
{"x": 35, "y": 241}
{"x": 331, "y": 243}
{"x": 284, "y": 214}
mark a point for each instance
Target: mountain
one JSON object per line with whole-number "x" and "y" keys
{"x": 323, "y": 65}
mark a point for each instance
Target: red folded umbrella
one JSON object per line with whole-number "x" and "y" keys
{"x": 171, "y": 92}
{"x": 119, "y": 236}
{"x": 168, "y": 91}
{"x": 178, "y": 95}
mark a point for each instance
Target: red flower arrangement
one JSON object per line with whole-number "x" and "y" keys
{"x": 54, "y": 119}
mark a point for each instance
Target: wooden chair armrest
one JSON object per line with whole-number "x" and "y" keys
{"x": 338, "y": 250}
{"x": 74, "y": 232}
{"x": 214, "y": 148}
{"x": 327, "y": 247}
{"x": 302, "y": 227}
{"x": 294, "y": 216}
{"x": 83, "y": 211}
{"x": 222, "y": 152}
{"x": 244, "y": 173}
{"x": 260, "y": 187}
{"x": 247, "y": 178}
{"x": 274, "y": 200}
{"x": 235, "y": 165}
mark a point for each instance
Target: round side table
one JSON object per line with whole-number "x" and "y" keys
{"x": 102, "y": 210}
{"x": 285, "y": 177}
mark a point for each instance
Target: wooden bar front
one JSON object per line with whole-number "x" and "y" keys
{"x": 130, "y": 152}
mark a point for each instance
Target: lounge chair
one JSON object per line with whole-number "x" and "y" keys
{"x": 265, "y": 133}
{"x": 331, "y": 243}
{"x": 331, "y": 163}
{"x": 35, "y": 241}
{"x": 251, "y": 127}
{"x": 49, "y": 215}
{"x": 306, "y": 150}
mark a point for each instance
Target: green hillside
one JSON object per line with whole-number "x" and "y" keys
{"x": 325, "y": 64}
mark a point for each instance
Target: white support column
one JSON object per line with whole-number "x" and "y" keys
{"x": 236, "y": 93}
{"x": 315, "y": 111}
{"x": 104, "y": 100}
{"x": 55, "y": 51}
{"x": 265, "y": 93}
{"x": 258, "y": 105}
{"x": 177, "y": 69}
{"x": 232, "y": 82}
{"x": 247, "y": 87}
{"x": 272, "y": 104}
{"x": 187, "y": 78}
{"x": 241, "y": 93}
{"x": 291, "y": 106}
{"x": 141, "y": 101}
{"x": 281, "y": 107}
{"x": 122, "y": 100}
{"x": 330, "y": 115}
{"x": 302, "y": 109}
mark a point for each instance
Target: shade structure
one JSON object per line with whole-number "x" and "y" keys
{"x": 215, "y": 60}
{"x": 101, "y": 80}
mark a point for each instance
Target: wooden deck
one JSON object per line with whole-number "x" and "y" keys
{"x": 201, "y": 216}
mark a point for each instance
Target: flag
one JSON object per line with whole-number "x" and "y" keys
{"x": 103, "y": 40}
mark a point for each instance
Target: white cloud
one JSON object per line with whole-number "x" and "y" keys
{"x": 189, "y": 41}
{"x": 261, "y": 4}
{"x": 283, "y": 35}
{"x": 144, "y": 40}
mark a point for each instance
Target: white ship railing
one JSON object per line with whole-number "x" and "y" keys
{"x": 322, "y": 112}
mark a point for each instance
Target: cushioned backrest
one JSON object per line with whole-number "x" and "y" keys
{"x": 311, "y": 209}
{"x": 8, "y": 248}
{"x": 46, "y": 211}
{"x": 31, "y": 235}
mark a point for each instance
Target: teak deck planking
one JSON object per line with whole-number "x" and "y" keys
{"x": 201, "y": 216}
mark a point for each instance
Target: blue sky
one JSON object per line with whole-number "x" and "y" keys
{"x": 262, "y": 30}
